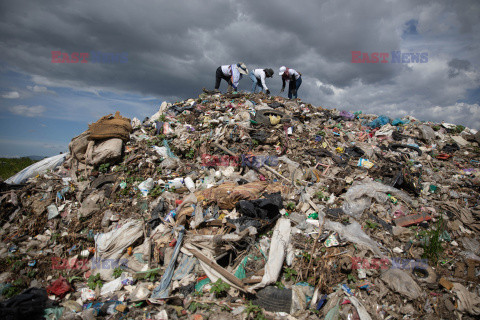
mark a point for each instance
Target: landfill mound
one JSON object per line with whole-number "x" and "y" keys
{"x": 247, "y": 206}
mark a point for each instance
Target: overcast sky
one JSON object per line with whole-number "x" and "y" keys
{"x": 174, "y": 48}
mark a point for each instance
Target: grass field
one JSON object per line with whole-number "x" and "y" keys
{"x": 10, "y": 166}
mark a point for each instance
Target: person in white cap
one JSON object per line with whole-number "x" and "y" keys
{"x": 231, "y": 74}
{"x": 294, "y": 78}
{"x": 258, "y": 78}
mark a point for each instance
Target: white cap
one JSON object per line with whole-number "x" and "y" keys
{"x": 282, "y": 70}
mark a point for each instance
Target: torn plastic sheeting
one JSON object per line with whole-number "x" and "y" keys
{"x": 113, "y": 286}
{"x": 52, "y": 211}
{"x": 53, "y": 313}
{"x": 59, "y": 287}
{"x": 240, "y": 273}
{"x": 140, "y": 292}
{"x": 467, "y": 301}
{"x": 110, "y": 246}
{"x": 354, "y": 233}
{"x": 362, "y": 312}
{"x": 301, "y": 293}
{"x": 358, "y": 197}
{"x": 170, "y": 160}
{"x": 278, "y": 249}
{"x": 185, "y": 266}
{"x": 380, "y": 121}
{"x": 162, "y": 290}
{"x": 37, "y": 168}
{"x": 399, "y": 121}
{"x": 402, "y": 282}
{"x": 347, "y": 115}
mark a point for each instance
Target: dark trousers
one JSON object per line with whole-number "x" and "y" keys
{"x": 293, "y": 87}
{"x": 219, "y": 76}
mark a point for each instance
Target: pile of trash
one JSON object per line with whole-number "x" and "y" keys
{"x": 247, "y": 206}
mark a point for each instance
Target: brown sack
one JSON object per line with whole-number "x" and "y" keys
{"x": 111, "y": 127}
{"x": 228, "y": 194}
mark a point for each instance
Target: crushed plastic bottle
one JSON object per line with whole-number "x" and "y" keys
{"x": 146, "y": 186}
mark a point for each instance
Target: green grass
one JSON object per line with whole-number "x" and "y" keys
{"x": 10, "y": 166}
{"x": 432, "y": 242}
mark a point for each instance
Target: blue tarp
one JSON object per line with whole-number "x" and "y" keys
{"x": 380, "y": 121}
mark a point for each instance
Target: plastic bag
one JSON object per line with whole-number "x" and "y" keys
{"x": 146, "y": 186}
{"x": 467, "y": 301}
{"x": 402, "y": 282}
{"x": 353, "y": 233}
{"x": 347, "y": 115}
{"x": 380, "y": 121}
{"x": 358, "y": 197}
{"x": 170, "y": 161}
{"x": 110, "y": 246}
{"x": 59, "y": 287}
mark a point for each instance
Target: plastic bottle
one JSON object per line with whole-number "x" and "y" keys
{"x": 190, "y": 184}
{"x": 170, "y": 217}
{"x": 175, "y": 183}
{"x": 146, "y": 186}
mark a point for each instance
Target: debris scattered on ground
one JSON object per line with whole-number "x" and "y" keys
{"x": 247, "y": 206}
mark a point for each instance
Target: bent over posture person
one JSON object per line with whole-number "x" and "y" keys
{"x": 231, "y": 74}
{"x": 258, "y": 78}
{"x": 294, "y": 78}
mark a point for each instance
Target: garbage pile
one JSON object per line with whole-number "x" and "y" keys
{"x": 247, "y": 206}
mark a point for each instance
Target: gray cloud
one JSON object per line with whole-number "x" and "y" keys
{"x": 11, "y": 95}
{"x": 457, "y": 65}
{"x": 174, "y": 47}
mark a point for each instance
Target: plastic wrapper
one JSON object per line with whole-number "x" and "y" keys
{"x": 402, "y": 282}
{"x": 354, "y": 233}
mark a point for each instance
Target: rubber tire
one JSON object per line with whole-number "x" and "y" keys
{"x": 261, "y": 118}
{"x": 274, "y": 299}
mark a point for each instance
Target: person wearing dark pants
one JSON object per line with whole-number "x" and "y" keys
{"x": 294, "y": 79}
{"x": 231, "y": 74}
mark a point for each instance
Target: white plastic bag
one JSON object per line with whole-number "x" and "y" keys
{"x": 37, "y": 168}
{"x": 358, "y": 197}
{"x": 353, "y": 233}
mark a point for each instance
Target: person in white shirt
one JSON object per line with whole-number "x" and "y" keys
{"x": 231, "y": 74}
{"x": 294, "y": 78}
{"x": 258, "y": 78}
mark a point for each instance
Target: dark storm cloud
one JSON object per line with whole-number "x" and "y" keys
{"x": 457, "y": 65}
{"x": 174, "y": 47}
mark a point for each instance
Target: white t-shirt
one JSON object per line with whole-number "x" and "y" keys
{"x": 260, "y": 74}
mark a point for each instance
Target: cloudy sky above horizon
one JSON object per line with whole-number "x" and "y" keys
{"x": 174, "y": 48}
